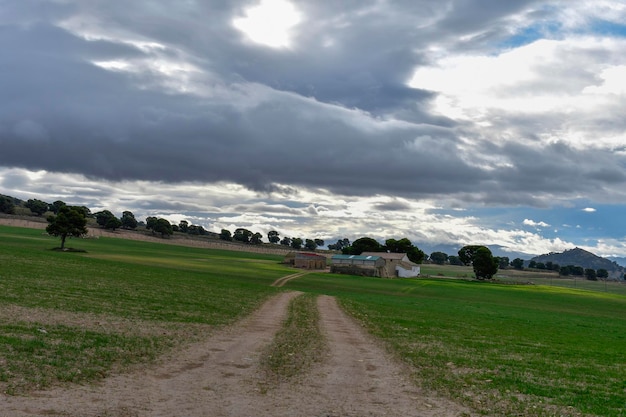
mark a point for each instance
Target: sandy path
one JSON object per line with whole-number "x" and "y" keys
{"x": 357, "y": 379}
{"x": 219, "y": 378}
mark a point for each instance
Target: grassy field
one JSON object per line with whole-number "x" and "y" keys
{"x": 527, "y": 276}
{"x": 504, "y": 350}
{"x": 128, "y": 302}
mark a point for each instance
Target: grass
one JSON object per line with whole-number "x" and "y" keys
{"x": 158, "y": 285}
{"x": 537, "y": 277}
{"x": 501, "y": 349}
{"x": 504, "y": 350}
{"x": 34, "y": 357}
{"x": 298, "y": 345}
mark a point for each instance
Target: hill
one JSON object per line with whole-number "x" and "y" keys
{"x": 582, "y": 258}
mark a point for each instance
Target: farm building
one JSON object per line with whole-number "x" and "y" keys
{"x": 371, "y": 266}
{"x": 305, "y": 260}
{"x": 396, "y": 264}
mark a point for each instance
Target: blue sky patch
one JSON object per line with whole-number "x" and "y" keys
{"x": 604, "y": 27}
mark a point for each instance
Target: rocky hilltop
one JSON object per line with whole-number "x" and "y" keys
{"x": 582, "y": 258}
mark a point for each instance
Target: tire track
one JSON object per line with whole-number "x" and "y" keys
{"x": 282, "y": 281}
{"x": 220, "y": 377}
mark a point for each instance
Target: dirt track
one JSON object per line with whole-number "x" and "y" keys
{"x": 219, "y": 377}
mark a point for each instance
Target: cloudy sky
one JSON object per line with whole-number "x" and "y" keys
{"x": 449, "y": 122}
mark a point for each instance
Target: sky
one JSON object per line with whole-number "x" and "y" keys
{"x": 448, "y": 122}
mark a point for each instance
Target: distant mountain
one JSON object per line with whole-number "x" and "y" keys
{"x": 580, "y": 257}
{"x": 620, "y": 261}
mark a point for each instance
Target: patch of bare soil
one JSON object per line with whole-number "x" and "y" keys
{"x": 220, "y": 377}
{"x": 102, "y": 323}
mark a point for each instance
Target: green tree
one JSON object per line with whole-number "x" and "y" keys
{"x": 602, "y": 273}
{"x": 296, "y": 243}
{"x": 128, "y": 220}
{"x": 590, "y": 274}
{"x": 54, "y": 207}
{"x": 151, "y": 223}
{"x": 439, "y": 258}
{"x": 564, "y": 271}
{"x": 310, "y": 244}
{"x": 319, "y": 242}
{"x": 69, "y": 221}
{"x": 532, "y": 264}
{"x": 455, "y": 260}
{"x": 484, "y": 264}
{"x": 37, "y": 207}
{"x": 196, "y": 230}
{"x": 273, "y": 237}
{"x": 183, "y": 226}
{"x": 107, "y": 220}
{"x": 341, "y": 243}
{"x": 503, "y": 262}
{"x": 242, "y": 235}
{"x": 466, "y": 253}
{"x": 85, "y": 210}
{"x": 256, "y": 239}
{"x": 226, "y": 235}
{"x": 164, "y": 227}
{"x": 285, "y": 241}
{"x": 364, "y": 244}
{"x": 7, "y": 205}
{"x": 404, "y": 245}
{"x": 517, "y": 263}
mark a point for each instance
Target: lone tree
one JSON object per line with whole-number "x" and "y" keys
{"x": 485, "y": 265}
{"x": 466, "y": 254}
{"x": 70, "y": 221}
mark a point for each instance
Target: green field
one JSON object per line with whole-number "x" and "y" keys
{"x": 505, "y": 350}
{"x": 168, "y": 292}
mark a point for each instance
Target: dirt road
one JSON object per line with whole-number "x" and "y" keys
{"x": 219, "y": 377}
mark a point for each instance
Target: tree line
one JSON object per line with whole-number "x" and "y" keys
{"x": 62, "y": 225}
{"x": 70, "y": 221}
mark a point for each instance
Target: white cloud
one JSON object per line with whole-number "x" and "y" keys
{"x": 589, "y": 210}
{"x": 532, "y": 223}
{"x": 560, "y": 83}
{"x": 269, "y": 23}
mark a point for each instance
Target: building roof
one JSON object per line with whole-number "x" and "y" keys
{"x": 357, "y": 257}
{"x": 386, "y": 255}
{"x": 309, "y": 255}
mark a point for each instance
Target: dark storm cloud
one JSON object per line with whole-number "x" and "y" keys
{"x": 334, "y": 112}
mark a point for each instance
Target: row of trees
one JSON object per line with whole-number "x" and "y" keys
{"x": 243, "y": 235}
{"x": 368, "y": 244}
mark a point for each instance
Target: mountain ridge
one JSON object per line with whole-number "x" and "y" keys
{"x": 582, "y": 258}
